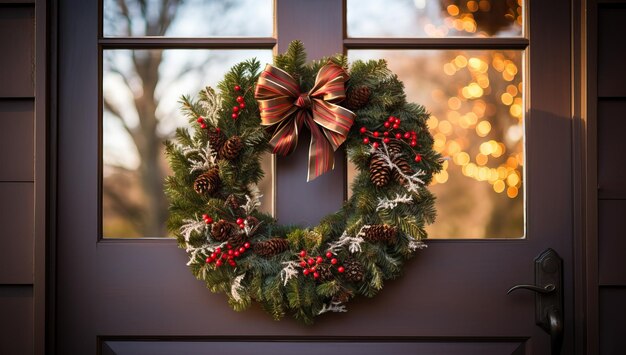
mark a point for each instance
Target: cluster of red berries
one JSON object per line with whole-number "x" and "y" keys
{"x": 393, "y": 131}
{"x": 207, "y": 219}
{"x": 241, "y": 103}
{"x": 203, "y": 124}
{"x": 309, "y": 264}
{"x": 229, "y": 255}
{"x": 241, "y": 223}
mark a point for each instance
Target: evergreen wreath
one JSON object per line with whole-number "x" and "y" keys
{"x": 304, "y": 272}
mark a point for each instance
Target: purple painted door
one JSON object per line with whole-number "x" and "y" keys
{"x": 137, "y": 296}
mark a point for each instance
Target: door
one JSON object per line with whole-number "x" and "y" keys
{"x": 129, "y": 296}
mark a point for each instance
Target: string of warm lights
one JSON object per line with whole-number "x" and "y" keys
{"x": 498, "y": 163}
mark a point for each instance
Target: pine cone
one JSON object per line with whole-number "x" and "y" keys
{"x": 395, "y": 151}
{"x": 271, "y": 247}
{"x": 221, "y": 230}
{"x": 216, "y": 138}
{"x": 353, "y": 270}
{"x": 207, "y": 183}
{"x": 230, "y": 150}
{"x": 358, "y": 97}
{"x": 381, "y": 233}
{"x": 394, "y": 147}
{"x": 325, "y": 272}
{"x": 379, "y": 171}
{"x": 342, "y": 297}
{"x": 233, "y": 203}
{"x": 237, "y": 239}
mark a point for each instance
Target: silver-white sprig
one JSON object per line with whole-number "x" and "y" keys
{"x": 385, "y": 203}
{"x": 289, "y": 271}
{"x": 236, "y": 287}
{"x": 353, "y": 243}
{"x": 332, "y": 307}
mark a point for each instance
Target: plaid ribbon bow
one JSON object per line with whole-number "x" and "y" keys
{"x": 284, "y": 109}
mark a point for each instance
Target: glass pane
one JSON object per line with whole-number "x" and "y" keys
{"x": 191, "y": 18}
{"x": 140, "y": 91}
{"x": 432, "y": 18}
{"x": 477, "y": 112}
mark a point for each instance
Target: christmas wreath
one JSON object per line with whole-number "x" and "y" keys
{"x": 304, "y": 272}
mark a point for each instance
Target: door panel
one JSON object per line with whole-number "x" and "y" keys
{"x": 285, "y": 347}
{"x": 452, "y": 298}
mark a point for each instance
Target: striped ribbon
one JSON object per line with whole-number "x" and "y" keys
{"x": 284, "y": 109}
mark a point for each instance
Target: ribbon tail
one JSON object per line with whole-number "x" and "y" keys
{"x": 321, "y": 153}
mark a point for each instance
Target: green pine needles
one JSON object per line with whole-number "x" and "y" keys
{"x": 293, "y": 270}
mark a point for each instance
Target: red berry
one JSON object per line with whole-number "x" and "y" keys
{"x": 237, "y": 87}
{"x": 209, "y": 260}
{"x": 235, "y": 108}
{"x": 303, "y": 253}
{"x": 242, "y": 250}
{"x": 237, "y": 253}
{"x": 225, "y": 256}
{"x": 363, "y": 130}
{"x": 217, "y": 130}
{"x": 242, "y": 226}
{"x": 391, "y": 119}
{"x": 218, "y": 263}
{"x": 397, "y": 121}
{"x": 386, "y": 134}
{"x": 386, "y": 140}
{"x": 366, "y": 140}
{"x": 375, "y": 145}
{"x": 303, "y": 263}
{"x": 228, "y": 246}
{"x": 239, "y": 220}
{"x": 305, "y": 271}
{"x": 407, "y": 135}
{"x": 218, "y": 250}
{"x": 311, "y": 261}
{"x": 333, "y": 261}
{"x": 312, "y": 269}
{"x": 398, "y": 136}
{"x": 242, "y": 105}
{"x": 213, "y": 255}
{"x": 418, "y": 158}
{"x": 341, "y": 269}
{"x": 203, "y": 126}
{"x": 234, "y": 116}
{"x": 246, "y": 245}
{"x": 387, "y": 124}
{"x": 376, "y": 134}
{"x": 413, "y": 133}
{"x": 200, "y": 119}
{"x": 413, "y": 143}
{"x": 231, "y": 252}
{"x": 208, "y": 220}
{"x": 239, "y": 99}
{"x": 205, "y": 216}
{"x": 316, "y": 274}
{"x": 396, "y": 126}
{"x": 329, "y": 255}
{"x": 319, "y": 259}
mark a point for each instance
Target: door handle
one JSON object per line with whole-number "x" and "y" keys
{"x": 548, "y": 290}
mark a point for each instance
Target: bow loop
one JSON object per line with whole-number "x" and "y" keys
{"x": 284, "y": 108}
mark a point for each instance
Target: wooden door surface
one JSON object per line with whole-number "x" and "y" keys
{"x": 137, "y": 296}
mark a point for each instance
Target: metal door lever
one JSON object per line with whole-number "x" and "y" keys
{"x": 545, "y": 290}
{"x": 549, "y": 296}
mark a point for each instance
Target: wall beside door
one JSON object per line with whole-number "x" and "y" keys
{"x": 610, "y": 97}
{"x": 22, "y": 177}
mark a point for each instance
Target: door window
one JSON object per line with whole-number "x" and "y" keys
{"x": 146, "y": 66}
{"x": 475, "y": 97}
